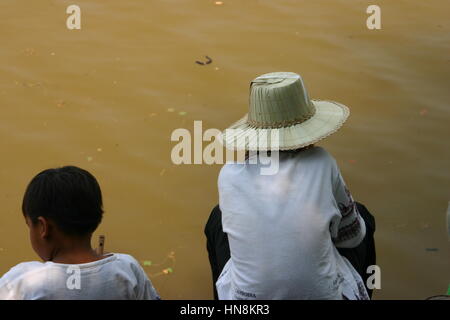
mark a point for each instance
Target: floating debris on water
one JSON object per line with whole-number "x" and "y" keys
{"x": 29, "y": 52}
{"x": 99, "y": 149}
{"x": 167, "y": 271}
{"x": 162, "y": 172}
{"x": 60, "y": 103}
{"x": 218, "y": 3}
{"x": 448, "y": 220}
{"x": 52, "y": 54}
{"x": 170, "y": 110}
{"x": 431, "y": 249}
{"x": 424, "y": 225}
{"x": 208, "y": 61}
{"x": 182, "y": 113}
{"x": 423, "y": 112}
{"x": 164, "y": 268}
{"x": 89, "y": 159}
{"x": 28, "y": 84}
{"x": 352, "y": 161}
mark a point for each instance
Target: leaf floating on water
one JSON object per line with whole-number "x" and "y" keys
{"x": 147, "y": 263}
{"x": 89, "y": 159}
{"x": 182, "y": 113}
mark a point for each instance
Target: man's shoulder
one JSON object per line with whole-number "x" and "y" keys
{"x": 318, "y": 151}
{"x": 230, "y": 168}
{"x": 317, "y": 155}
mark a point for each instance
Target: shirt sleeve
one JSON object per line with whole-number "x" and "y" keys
{"x": 348, "y": 229}
{"x": 149, "y": 292}
{"x": 146, "y": 291}
{"x": 8, "y": 290}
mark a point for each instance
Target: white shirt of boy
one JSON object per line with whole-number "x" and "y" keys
{"x": 283, "y": 230}
{"x": 116, "y": 277}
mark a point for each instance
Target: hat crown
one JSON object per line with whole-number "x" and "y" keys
{"x": 279, "y": 99}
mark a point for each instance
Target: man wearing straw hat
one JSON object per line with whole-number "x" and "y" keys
{"x": 298, "y": 233}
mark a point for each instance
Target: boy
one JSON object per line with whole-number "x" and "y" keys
{"x": 62, "y": 208}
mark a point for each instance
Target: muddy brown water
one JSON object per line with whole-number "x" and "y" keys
{"x": 107, "y": 98}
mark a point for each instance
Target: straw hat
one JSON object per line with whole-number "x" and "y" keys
{"x": 282, "y": 116}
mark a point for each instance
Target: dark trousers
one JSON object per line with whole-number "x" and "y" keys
{"x": 219, "y": 250}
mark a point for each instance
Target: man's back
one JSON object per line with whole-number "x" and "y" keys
{"x": 279, "y": 230}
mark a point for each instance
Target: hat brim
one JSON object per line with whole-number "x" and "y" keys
{"x": 328, "y": 118}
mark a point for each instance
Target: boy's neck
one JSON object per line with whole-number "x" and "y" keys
{"x": 74, "y": 251}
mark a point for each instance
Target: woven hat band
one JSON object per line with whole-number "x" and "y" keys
{"x": 282, "y": 124}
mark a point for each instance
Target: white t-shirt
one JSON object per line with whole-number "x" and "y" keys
{"x": 283, "y": 230}
{"x": 116, "y": 277}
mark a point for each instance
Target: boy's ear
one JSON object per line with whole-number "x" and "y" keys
{"x": 43, "y": 227}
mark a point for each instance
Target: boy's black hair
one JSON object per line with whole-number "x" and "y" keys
{"x": 69, "y": 196}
